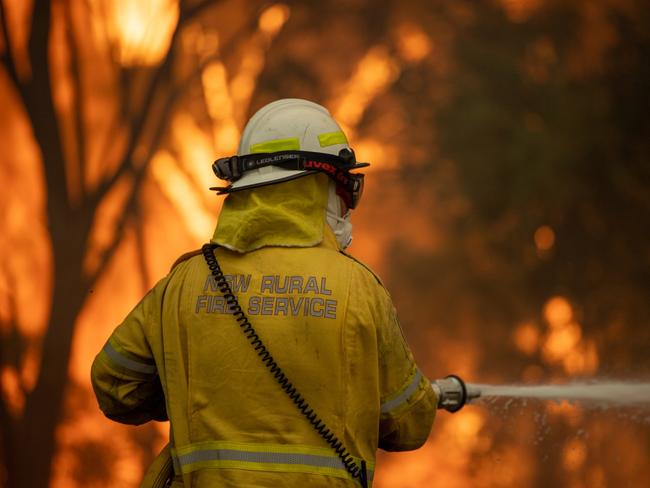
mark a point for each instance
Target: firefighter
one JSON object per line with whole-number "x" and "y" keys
{"x": 276, "y": 356}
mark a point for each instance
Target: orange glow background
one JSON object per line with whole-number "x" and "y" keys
{"x": 506, "y": 208}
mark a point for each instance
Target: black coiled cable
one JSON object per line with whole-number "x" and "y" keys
{"x": 286, "y": 385}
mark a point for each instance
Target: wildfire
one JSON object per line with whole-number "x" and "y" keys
{"x": 273, "y": 18}
{"x": 526, "y": 338}
{"x": 544, "y": 238}
{"x": 562, "y": 344}
{"x": 173, "y": 212}
{"x": 520, "y": 10}
{"x": 178, "y": 189}
{"x": 139, "y": 32}
{"x": 413, "y": 43}
{"x": 220, "y": 108}
{"x": 374, "y": 73}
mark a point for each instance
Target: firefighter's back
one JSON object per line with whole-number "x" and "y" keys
{"x": 316, "y": 310}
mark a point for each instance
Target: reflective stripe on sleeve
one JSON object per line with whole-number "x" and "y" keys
{"x": 126, "y": 362}
{"x": 261, "y": 457}
{"x": 402, "y": 397}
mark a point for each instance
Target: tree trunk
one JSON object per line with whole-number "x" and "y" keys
{"x": 35, "y": 441}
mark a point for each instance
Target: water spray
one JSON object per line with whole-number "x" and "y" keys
{"x": 593, "y": 392}
{"x": 453, "y": 393}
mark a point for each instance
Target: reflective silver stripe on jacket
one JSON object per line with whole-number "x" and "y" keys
{"x": 126, "y": 362}
{"x": 261, "y": 459}
{"x": 395, "y": 402}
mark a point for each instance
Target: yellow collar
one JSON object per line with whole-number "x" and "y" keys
{"x": 288, "y": 214}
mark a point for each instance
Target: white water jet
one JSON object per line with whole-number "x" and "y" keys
{"x": 606, "y": 393}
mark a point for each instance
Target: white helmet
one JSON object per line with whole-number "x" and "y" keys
{"x": 288, "y": 139}
{"x": 284, "y": 125}
{"x": 291, "y": 138}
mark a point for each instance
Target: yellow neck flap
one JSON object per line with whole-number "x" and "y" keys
{"x": 289, "y": 214}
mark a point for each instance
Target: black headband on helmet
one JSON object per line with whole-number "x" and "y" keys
{"x": 337, "y": 168}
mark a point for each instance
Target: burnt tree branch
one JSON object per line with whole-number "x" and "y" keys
{"x": 7, "y": 421}
{"x": 159, "y": 131}
{"x": 157, "y": 81}
{"x": 42, "y": 114}
{"x": 7, "y": 58}
{"x": 79, "y": 99}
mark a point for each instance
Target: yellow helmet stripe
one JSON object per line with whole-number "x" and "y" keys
{"x": 290, "y": 144}
{"x": 331, "y": 138}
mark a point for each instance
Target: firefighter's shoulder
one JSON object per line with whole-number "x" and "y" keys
{"x": 364, "y": 266}
{"x": 185, "y": 257}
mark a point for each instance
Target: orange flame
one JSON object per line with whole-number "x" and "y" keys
{"x": 139, "y": 32}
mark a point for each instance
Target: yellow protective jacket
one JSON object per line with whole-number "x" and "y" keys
{"x": 326, "y": 319}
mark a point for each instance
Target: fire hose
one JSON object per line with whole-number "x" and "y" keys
{"x": 453, "y": 393}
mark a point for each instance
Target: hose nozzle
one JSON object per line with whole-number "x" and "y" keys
{"x": 453, "y": 393}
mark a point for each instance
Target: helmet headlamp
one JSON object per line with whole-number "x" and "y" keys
{"x": 349, "y": 185}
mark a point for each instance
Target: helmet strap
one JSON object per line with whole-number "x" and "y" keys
{"x": 336, "y": 167}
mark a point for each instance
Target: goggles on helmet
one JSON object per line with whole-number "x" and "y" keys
{"x": 349, "y": 186}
